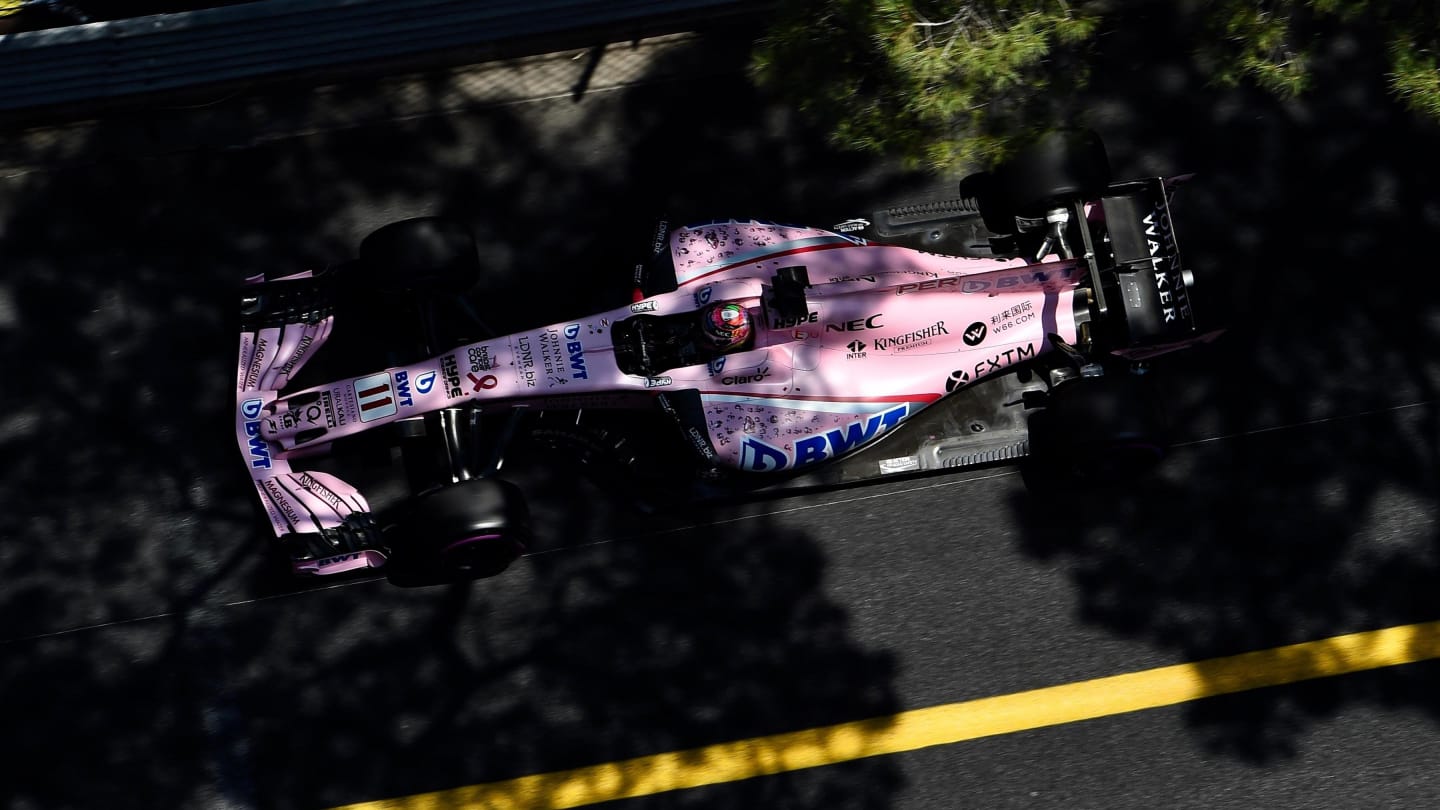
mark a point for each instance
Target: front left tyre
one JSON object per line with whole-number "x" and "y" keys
{"x": 458, "y": 533}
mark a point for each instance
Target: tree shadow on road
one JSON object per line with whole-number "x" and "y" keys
{"x": 1304, "y": 230}
{"x": 204, "y": 682}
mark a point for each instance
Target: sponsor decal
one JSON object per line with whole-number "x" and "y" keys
{"x": 857, "y": 325}
{"x": 259, "y": 450}
{"x": 839, "y": 279}
{"x": 758, "y": 456}
{"x": 425, "y": 382}
{"x": 911, "y": 340}
{"x": 576, "y": 353}
{"x": 480, "y": 359}
{"x": 716, "y": 366}
{"x": 643, "y": 306}
{"x": 299, "y": 354}
{"x": 702, "y": 296}
{"x": 741, "y": 379}
{"x": 311, "y": 414}
{"x": 1021, "y": 313}
{"x": 958, "y": 378}
{"x": 786, "y": 323}
{"x": 857, "y": 349}
{"x": 998, "y": 362}
{"x": 1160, "y": 240}
{"x": 483, "y": 383}
{"x": 322, "y": 492}
{"x": 450, "y": 370}
{"x": 852, "y": 225}
{"x": 702, "y": 445}
{"x": 402, "y": 389}
{"x": 1020, "y": 279}
{"x": 974, "y": 334}
{"x": 252, "y": 374}
{"x": 282, "y": 500}
{"x": 525, "y": 361}
{"x": 662, "y": 228}
{"x": 376, "y": 397}
{"x": 658, "y": 382}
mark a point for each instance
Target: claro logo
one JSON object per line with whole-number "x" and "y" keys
{"x": 259, "y": 450}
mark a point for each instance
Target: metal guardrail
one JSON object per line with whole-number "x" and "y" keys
{"x": 118, "y": 59}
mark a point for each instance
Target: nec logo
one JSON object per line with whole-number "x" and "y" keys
{"x": 859, "y": 324}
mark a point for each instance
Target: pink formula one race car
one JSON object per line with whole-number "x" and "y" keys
{"x": 1010, "y": 322}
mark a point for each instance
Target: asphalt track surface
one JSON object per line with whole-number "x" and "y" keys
{"x": 150, "y": 656}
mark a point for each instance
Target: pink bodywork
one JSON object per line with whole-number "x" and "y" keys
{"x": 889, "y": 330}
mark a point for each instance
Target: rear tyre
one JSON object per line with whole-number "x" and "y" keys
{"x": 426, "y": 254}
{"x": 1061, "y": 166}
{"x": 1095, "y": 431}
{"x": 981, "y": 188}
{"x": 458, "y": 533}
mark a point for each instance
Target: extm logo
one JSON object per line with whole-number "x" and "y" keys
{"x": 259, "y": 450}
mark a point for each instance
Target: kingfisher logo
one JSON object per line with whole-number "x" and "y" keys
{"x": 259, "y": 450}
{"x": 425, "y": 382}
{"x": 577, "y": 353}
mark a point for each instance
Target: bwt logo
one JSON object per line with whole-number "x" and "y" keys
{"x": 703, "y": 296}
{"x": 425, "y": 382}
{"x": 577, "y": 353}
{"x": 259, "y": 450}
{"x": 761, "y": 457}
{"x": 402, "y": 388}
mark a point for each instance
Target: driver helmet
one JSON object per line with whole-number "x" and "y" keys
{"x": 726, "y": 326}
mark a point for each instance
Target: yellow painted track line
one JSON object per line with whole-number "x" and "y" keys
{"x": 938, "y": 725}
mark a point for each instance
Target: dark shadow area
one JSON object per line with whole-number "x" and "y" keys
{"x": 1307, "y": 229}
{"x": 203, "y": 680}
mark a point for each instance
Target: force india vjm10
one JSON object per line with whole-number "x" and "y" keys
{"x": 1022, "y": 308}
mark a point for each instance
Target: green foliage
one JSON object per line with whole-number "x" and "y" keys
{"x": 953, "y": 83}
{"x": 939, "y": 82}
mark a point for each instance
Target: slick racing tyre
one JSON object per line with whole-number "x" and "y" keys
{"x": 461, "y": 532}
{"x": 1095, "y": 431}
{"x": 426, "y": 254}
{"x": 1061, "y": 166}
{"x": 981, "y": 188}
